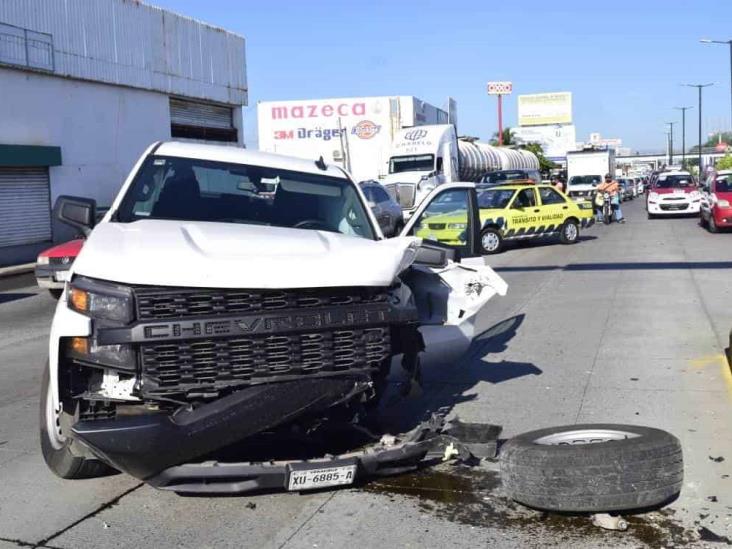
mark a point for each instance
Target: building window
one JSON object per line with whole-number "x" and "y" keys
{"x": 205, "y": 121}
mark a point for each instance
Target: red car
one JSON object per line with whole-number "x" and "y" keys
{"x": 716, "y": 205}
{"x": 52, "y": 265}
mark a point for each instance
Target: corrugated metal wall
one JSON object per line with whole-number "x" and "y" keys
{"x": 129, "y": 43}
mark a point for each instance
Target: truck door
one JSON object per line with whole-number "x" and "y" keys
{"x": 449, "y": 279}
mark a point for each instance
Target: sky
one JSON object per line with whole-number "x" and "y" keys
{"x": 623, "y": 61}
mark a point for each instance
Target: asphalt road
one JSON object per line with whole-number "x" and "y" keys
{"x": 627, "y": 326}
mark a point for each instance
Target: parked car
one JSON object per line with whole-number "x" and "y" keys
{"x": 387, "y": 211}
{"x": 716, "y": 203}
{"x": 210, "y": 307}
{"x": 514, "y": 212}
{"x": 53, "y": 265}
{"x": 626, "y": 190}
{"x": 673, "y": 193}
{"x": 502, "y": 177}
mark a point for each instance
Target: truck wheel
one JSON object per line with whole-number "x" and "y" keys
{"x": 569, "y": 232}
{"x": 592, "y": 468}
{"x": 490, "y": 241}
{"x": 59, "y": 451}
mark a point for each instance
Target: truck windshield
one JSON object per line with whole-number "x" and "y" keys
{"x": 201, "y": 190}
{"x": 417, "y": 163}
{"x": 585, "y": 180}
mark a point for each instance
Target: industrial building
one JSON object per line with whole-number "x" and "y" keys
{"x": 354, "y": 132}
{"x": 85, "y": 87}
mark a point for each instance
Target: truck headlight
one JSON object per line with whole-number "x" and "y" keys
{"x": 120, "y": 357}
{"x": 42, "y": 260}
{"x": 101, "y": 300}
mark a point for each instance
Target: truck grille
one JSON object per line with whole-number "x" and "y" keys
{"x": 204, "y": 367}
{"x": 154, "y": 303}
{"x": 402, "y": 193}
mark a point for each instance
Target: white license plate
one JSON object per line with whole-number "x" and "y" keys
{"x": 312, "y": 479}
{"x": 61, "y": 276}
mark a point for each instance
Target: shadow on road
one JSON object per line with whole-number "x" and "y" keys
{"x": 448, "y": 383}
{"x": 621, "y": 266}
{"x": 7, "y": 298}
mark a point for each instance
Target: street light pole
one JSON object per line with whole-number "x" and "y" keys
{"x": 683, "y": 133}
{"x": 671, "y": 143}
{"x": 728, "y": 42}
{"x": 700, "y": 87}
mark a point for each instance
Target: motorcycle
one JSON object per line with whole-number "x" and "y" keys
{"x": 607, "y": 208}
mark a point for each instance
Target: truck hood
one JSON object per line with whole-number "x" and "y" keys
{"x": 227, "y": 255}
{"x": 581, "y": 188}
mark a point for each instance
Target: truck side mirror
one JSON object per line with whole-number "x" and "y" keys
{"x": 77, "y": 212}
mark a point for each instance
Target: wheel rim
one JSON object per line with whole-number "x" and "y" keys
{"x": 570, "y": 231}
{"x": 490, "y": 242}
{"x": 53, "y": 422}
{"x": 584, "y": 436}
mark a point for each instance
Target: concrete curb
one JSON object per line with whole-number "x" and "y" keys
{"x": 13, "y": 270}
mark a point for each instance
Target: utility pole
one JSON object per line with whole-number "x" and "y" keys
{"x": 728, "y": 42}
{"x": 700, "y": 87}
{"x": 671, "y": 143}
{"x": 683, "y": 134}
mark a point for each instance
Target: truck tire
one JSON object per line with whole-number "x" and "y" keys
{"x": 491, "y": 241}
{"x": 592, "y": 468}
{"x": 59, "y": 451}
{"x": 569, "y": 233}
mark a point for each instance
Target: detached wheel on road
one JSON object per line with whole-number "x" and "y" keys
{"x": 491, "y": 241}
{"x": 569, "y": 232}
{"x": 592, "y": 468}
{"x": 60, "y": 452}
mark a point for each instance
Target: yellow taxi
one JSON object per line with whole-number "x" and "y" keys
{"x": 513, "y": 212}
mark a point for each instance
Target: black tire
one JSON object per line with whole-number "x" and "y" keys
{"x": 55, "y": 293}
{"x": 569, "y": 233}
{"x": 62, "y": 455}
{"x": 712, "y": 225}
{"x": 491, "y": 241}
{"x": 398, "y": 228}
{"x": 628, "y": 473}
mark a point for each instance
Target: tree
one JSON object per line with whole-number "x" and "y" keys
{"x": 724, "y": 163}
{"x": 726, "y": 137}
{"x": 507, "y": 137}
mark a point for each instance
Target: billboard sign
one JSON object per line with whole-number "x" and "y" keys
{"x": 539, "y": 109}
{"x": 555, "y": 140}
{"x": 500, "y": 88}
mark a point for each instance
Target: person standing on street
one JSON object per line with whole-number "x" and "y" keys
{"x": 613, "y": 187}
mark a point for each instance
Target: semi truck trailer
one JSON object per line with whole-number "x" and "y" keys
{"x": 425, "y": 157}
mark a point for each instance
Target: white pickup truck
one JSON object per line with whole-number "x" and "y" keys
{"x": 227, "y": 292}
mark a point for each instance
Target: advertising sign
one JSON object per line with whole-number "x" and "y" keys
{"x": 555, "y": 140}
{"x": 545, "y": 108}
{"x": 500, "y": 88}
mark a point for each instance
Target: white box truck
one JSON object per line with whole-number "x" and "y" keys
{"x": 355, "y": 133}
{"x": 427, "y": 156}
{"x": 586, "y": 169}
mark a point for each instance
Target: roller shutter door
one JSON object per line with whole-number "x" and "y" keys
{"x": 25, "y": 215}
{"x": 206, "y": 121}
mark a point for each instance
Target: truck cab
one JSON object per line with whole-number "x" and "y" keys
{"x": 421, "y": 159}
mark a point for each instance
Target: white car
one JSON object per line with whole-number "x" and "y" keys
{"x": 673, "y": 193}
{"x": 228, "y": 292}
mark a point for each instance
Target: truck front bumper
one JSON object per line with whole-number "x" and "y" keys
{"x": 145, "y": 445}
